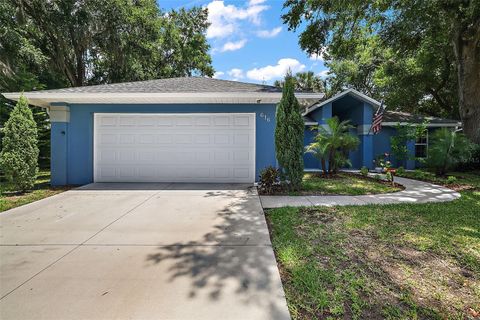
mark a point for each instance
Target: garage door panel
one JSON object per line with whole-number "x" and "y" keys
{"x": 174, "y": 147}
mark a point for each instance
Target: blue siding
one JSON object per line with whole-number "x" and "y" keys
{"x": 382, "y": 145}
{"x": 58, "y": 153}
{"x": 79, "y": 139}
{"x": 310, "y": 162}
{"x": 381, "y": 141}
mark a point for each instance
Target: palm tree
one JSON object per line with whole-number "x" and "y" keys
{"x": 333, "y": 142}
{"x": 305, "y": 81}
{"x": 447, "y": 149}
{"x": 319, "y": 149}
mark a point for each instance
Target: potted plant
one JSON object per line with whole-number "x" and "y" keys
{"x": 378, "y": 163}
{"x": 382, "y": 163}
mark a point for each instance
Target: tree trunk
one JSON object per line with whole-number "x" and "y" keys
{"x": 467, "y": 56}
{"x": 330, "y": 162}
{"x": 324, "y": 165}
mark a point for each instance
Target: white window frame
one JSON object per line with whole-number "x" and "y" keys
{"x": 422, "y": 144}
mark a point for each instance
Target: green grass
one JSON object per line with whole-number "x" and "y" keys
{"x": 465, "y": 178}
{"x": 41, "y": 190}
{"x": 407, "y": 261}
{"x": 342, "y": 184}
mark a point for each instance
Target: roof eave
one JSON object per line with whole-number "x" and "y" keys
{"x": 428, "y": 125}
{"x": 44, "y": 99}
{"x": 353, "y": 92}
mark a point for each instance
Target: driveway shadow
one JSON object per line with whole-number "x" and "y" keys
{"x": 235, "y": 258}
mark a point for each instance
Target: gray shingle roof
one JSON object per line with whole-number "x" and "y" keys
{"x": 172, "y": 85}
{"x": 397, "y": 116}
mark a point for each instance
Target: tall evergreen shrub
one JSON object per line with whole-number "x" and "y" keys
{"x": 19, "y": 155}
{"x": 289, "y": 133}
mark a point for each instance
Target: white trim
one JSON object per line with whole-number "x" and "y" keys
{"x": 428, "y": 125}
{"x": 45, "y": 98}
{"x": 311, "y": 123}
{"x": 364, "y": 129}
{"x": 422, "y": 144}
{"x": 59, "y": 113}
{"x": 354, "y": 92}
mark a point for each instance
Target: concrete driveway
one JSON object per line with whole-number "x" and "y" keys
{"x": 140, "y": 251}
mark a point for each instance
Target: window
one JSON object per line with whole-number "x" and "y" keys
{"x": 421, "y": 145}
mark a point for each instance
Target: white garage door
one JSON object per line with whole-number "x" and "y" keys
{"x": 200, "y": 147}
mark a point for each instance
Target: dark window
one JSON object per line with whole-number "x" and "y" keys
{"x": 421, "y": 146}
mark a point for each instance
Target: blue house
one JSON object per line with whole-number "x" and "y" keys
{"x": 191, "y": 130}
{"x": 359, "y": 110}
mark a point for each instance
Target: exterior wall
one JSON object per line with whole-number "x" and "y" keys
{"x": 58, "y": 153}
{"x": 72, "y": 153}
{"x": 310, "y": 162}
{"x": 360, "y": 114}
{"x": 382, "y": 144}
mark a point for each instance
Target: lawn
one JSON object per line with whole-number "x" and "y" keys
{"x": 41, "y": 190}
{"x": 407, "y": 261}
{"x": 342, "y": 184}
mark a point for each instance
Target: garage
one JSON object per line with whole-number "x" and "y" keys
{"x": 186, "y": 129}
{"x": 174, "y": 147}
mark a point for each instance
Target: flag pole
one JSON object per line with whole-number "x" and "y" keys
{"x": 376, "y": 112}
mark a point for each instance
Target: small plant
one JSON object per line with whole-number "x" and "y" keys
{"x": 447, "y": 150}
{"x": 364, "y": 171}
{"x": 451, "y": 180}
{"x": 269, "y": 179}
{"x": 377, "y": 177}
{"x": 382, "y": 161}
{"x": 400, "y": 171}
{"x": 389, "y": 176}
{"x": 418, "y": 174}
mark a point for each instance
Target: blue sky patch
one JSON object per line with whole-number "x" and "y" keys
{"x": 249, "y": 42}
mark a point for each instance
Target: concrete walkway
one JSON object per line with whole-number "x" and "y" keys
{"x": 415, "y": 192}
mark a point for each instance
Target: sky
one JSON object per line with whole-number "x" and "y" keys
{"x": 249, "y": 42}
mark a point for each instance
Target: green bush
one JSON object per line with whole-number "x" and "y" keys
{"x": 19, "y": 155}
{"x": 447, "y": 149}
{"x": 451, "y": 179}
{"x": 389, "y": 176}
{"x": 364, "y": 171}
{"x": 400, "y": 171}
{"x": 269, "y": 179}
{"x": 289, "y": 134}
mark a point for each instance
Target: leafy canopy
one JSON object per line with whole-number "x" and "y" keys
{"x": 419, "y": 56}
{"x": 92, "y": 42}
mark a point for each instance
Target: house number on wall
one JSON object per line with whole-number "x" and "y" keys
{"x": 264, "y": 117}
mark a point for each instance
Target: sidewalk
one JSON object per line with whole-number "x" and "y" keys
{"x": 415, "y": 192}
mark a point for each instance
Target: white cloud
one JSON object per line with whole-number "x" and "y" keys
{"x": 277, "y": 71}
{"x": 269, "y": 33}
{"x": 218, "y": 74}
{"x": 224, "y": 18}
{"x": 317, "y": 57}
{"x": 232, "y": 46}
{"x": 236, "y": 74}
{"x": 254, "y": 2}
{"x": 323, "y": 74}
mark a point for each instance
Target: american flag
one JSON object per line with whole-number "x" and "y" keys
{"x": 377, "y": 120}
